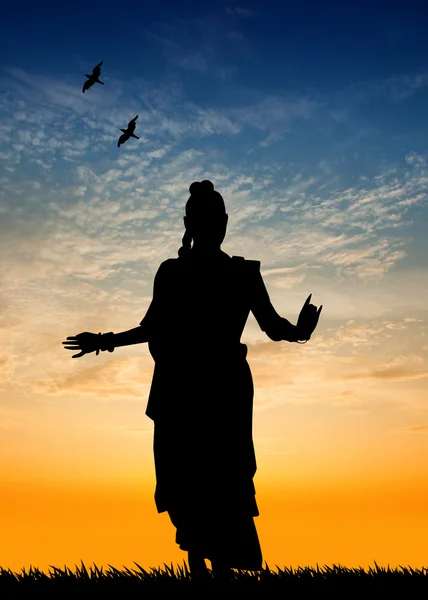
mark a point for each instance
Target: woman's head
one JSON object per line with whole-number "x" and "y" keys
{"x": 206, "y": 218}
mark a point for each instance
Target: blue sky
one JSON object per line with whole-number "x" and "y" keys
{"x": 310, "y": 120}
{"x": 306, "y": 100}
{"x": 327, "y": 75}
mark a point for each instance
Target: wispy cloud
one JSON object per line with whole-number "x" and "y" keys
{"x": 397, "y": 374}
{"x": 273, "y": 112}
{"x": 114, "y": 379}
{"x": 271, "y": 139}
{"x": 84, "y": 228}
{"x": 417, "y": 429}
{"x": 178, "y": 56}
{"x": 240, "y": 11}
{"x": 403, "y": 86}
{"x": 13, "y": 419}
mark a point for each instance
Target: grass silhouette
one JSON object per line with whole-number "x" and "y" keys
{"x": 330, "y": 581}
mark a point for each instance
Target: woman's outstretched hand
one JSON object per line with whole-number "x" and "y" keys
{"x": 85, "y": 342}
{"x": 308, "y": 319}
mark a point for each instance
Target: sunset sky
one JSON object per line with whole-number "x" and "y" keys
{"x": 311, "y": 121}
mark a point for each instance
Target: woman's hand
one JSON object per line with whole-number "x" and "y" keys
{"x": 85, "y": 342}
{"x": 308, "y": 319}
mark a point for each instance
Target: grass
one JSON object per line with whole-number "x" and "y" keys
{"x": 292, "y": 583}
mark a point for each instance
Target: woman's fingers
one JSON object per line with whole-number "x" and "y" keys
{"x": 315, "y": 310}
{"x": 308, "y": 299}
{"x": 309, "y": 316}
{"x": 78, "y": 342}
{"x": 72, "y": 340}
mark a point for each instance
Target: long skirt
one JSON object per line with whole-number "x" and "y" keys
{"x": 205, "y": 464}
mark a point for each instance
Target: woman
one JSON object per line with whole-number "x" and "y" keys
{"x": 201, "y": 398}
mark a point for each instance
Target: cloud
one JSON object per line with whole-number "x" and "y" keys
{"x": 8, "y": 366}
{"x": 235, "y": 35}
{"x": 271, "y": 139}
{"x": 50, "y": 132}
{"x": 396, "y": 88}
{"x": 415, "y": 158}
{"x": 14, "y": 419}
{"x": 240, "y": 11}
{"x": 198, "y": 44}
{"x": 177, "y": 55}
{"x": 417, "y": 429}
{"x": 275, "y": 112}
{"x": 117, "y": 378}
{"x": 403, "y": 86}
{"x": 391, "y": 374}
{"x": 79, "y": 251}
{"x": 118, "y": 224}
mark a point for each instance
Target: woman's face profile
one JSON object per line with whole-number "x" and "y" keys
{"x": 207, "y": 229}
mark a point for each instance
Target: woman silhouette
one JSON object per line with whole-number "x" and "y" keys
{"x": 201, "y": 397}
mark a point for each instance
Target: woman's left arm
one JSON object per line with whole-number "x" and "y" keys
{"x": 276, "y": 327}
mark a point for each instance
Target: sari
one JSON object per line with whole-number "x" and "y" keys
{"x": 201, "y": 402}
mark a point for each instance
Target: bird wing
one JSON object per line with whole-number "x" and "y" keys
{"x": 122, "y": 139}
{"x": 97, "y": 70}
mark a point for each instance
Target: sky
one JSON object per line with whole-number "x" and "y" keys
{"x": 311, "y": 121}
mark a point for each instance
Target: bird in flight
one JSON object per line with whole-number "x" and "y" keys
{"x": 127, "y": 133}
{"x": 94, "y": 78}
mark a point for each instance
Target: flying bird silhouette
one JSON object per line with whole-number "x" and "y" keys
{"x": 94, "y": 78}
{"x": 127, "y": 133}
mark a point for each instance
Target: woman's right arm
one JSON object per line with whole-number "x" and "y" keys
{"x": 147, "y": 327}
{"x": 87, "y": 342}
{"x": 90, "y": 342}
{"x": 137, "y": 335}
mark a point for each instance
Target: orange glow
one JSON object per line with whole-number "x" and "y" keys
{"x": 341, "y": 462}
{"x": 46, "y": 524}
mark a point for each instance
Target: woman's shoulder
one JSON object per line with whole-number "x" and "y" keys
{"x": 165, "y": 269}
{"x": 244, "y": 263}
{"x": 169, "y": 263}
{"x": 175, "y": 265}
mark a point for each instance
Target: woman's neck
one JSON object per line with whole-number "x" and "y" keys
{"x": 202, "y": 250}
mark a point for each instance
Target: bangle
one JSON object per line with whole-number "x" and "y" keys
{"x": 301, "y": 335}
{"x": 105, "y": 342}
{"x": 99, "y": 343}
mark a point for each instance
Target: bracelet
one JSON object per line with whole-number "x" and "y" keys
{"x": 299, "y": 338}
{"x": 105, "y": 342}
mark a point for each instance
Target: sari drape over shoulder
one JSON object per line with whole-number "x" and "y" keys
{"x": 201, "y": 402}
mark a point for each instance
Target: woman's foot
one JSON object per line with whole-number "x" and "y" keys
{"x": 197, "y": 566}
{"x": 221, "y": 571}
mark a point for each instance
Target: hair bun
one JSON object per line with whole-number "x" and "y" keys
{"x": 194, "y": 187}
{"x": 200, "y": 187}
{"x": 207, "y": 185}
